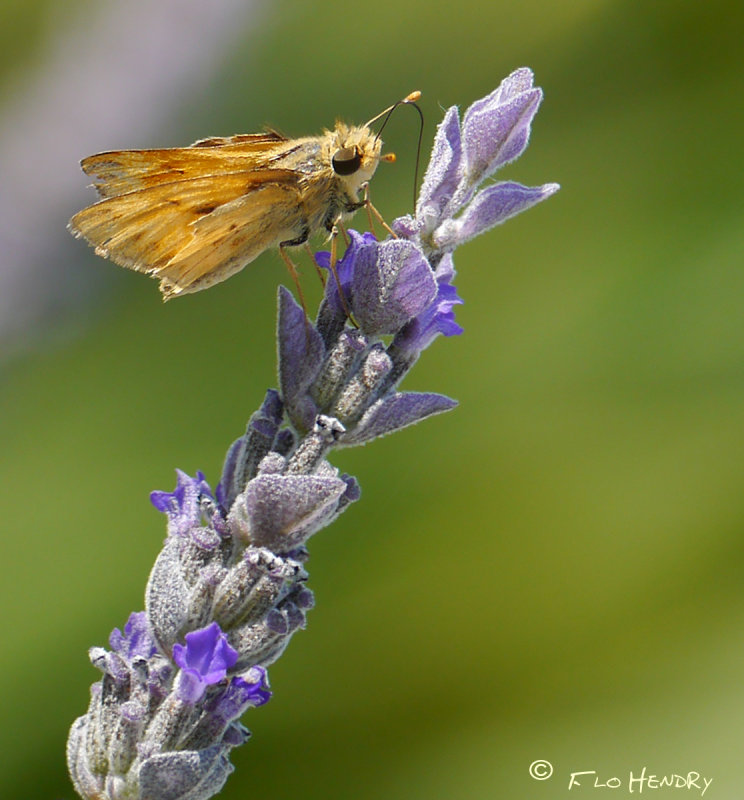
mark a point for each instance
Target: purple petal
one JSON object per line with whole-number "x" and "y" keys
{"x": 496, "y": 128}
{"x": 301, "y": 354}
{"x": 490, "y": 207}
{"x": 204, "y": 660}
{"x": 345, "y": 268}
{"x": 394, "y": 412}
{"x": 285, "y": 509}
{"x": 136, "y": 639}
{"x": 189, "y": 686}
{"x": 251, "y": 689}
{"x": 255, "y": 686}
{"x": 391, "y": 288}
{"x": 443, "y": 173}
{"x": 519, "y": 81}
{"x": 437, "y": 318}
{"x": 183, "y": 504}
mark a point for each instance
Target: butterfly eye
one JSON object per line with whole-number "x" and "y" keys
{"x": 346, "y": 161}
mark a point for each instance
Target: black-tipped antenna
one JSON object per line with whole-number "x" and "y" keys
{"x": 409, "y": 100}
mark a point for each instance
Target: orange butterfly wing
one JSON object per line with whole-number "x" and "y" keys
{"x": 122, "y": 171}
{"x": 191, "y": 216}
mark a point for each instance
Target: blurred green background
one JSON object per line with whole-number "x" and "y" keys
{"x": 555, "y": 570}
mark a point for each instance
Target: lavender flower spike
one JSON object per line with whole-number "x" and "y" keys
{"x": 228, "y": 590}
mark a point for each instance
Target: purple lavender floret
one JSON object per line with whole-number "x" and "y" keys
{"x": 204, "y": 661}
{"x": 183, "y": 505}
{"x": 385, "y": 284}
{"x": 136, "y": 639}
{"x": 229, "y": 588}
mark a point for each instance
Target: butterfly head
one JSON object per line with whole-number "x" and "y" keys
{"x": 355, "y": 152}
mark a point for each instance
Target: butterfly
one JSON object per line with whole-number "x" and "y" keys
{"x": 193, "y": 216}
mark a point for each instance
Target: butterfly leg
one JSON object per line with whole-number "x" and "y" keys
{"x": 372, "y": 210}
{"x": 320, "y": 272}
{"x": 296, "y": 278}
{"x": 341, "y": 227}
{"x": 291, "y": 267}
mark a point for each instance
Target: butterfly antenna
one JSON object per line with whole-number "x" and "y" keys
{"x": 409, "y": 100}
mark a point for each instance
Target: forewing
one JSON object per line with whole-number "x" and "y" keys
{"x": 147, "y": 228}
{"x": 122, "y": 171}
